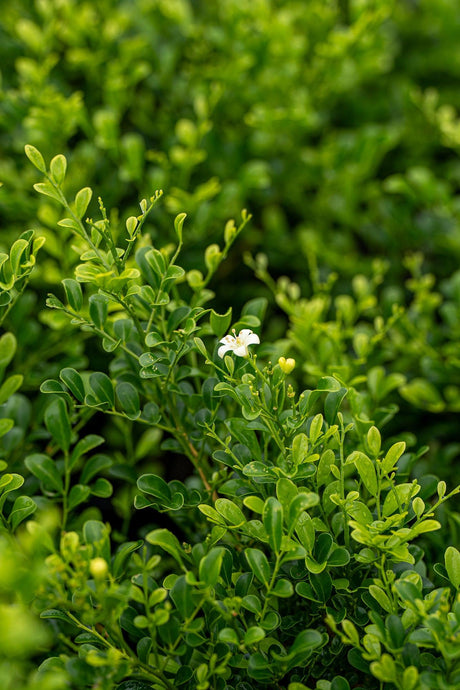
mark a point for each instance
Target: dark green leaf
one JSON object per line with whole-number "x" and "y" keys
{"x": 58, "y": 423}
{"x": 273, "y": 522}
{"x": 10, "y": 386}
{"x": 45, "y": 469}
{"x": 220, "y": 323}
{"x": 102, "y": 387}
{"x": 129, "y": 399}
{"x": 83, "y": 446}
{"x": 210, "y": 566}
{"x": 98, "y": 309}
{"x": 74, "y": 383}
{"x": 73, "y": 293}
{"x": 78, "y": 494}
{"x": 259, "y": 565}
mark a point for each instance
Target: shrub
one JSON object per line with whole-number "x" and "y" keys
{"x": 293, "y": 551}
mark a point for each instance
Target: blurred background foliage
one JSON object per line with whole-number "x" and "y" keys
{"x": 335, "y": 122}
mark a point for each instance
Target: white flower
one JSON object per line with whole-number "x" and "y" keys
{"x": 238, "y": 343}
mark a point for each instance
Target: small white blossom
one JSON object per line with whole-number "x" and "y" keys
{"x": 238, "y": 343}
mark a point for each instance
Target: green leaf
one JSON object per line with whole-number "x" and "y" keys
{"x": 58, "y": 167}
{"x": 283, "y": 589}
{"x": 58, "y": 423}
{"x": 7, "y": 349}
{"x": 72, "y": 224}
{"x": 22, "y": 508}
{"x": 259, "y": 565}
{"x": 201, "y": 347}
{"x": 83, "y": 446}
{"x": 82, "y": 201}
{"x": 254, "y": 503}
{"x": 47, "y": 189}
{"x": 408, "y": 591}
{"x": 305, "y": 590}
{"x": 393, "y": 455}
{"x": 366, "y": 470}
{"x": 211, "y": 513}
{"x": 398, "y": 497}
{"x": 299, "y": 449}
{"x": 305, "y": 530}
{"x": 98, "y": 309}
{"x": 326, "y": 462}
{"x": 452, "y": 563}
{"x": 239, "y": 429}
{"x": 45, "y": 469}
{"x": 396, "y": 632}
{"x": 10, "y": 386}
{"x": 74, "y": 383}
{"x": 122, "y": 556}
{"x": 178, "y": 224}
{"x": 220, "y": 323}
{"x": 129, "y": 399}
{"x": 229, "y": 636}
{"x": 168, "y": 542}
{"x": 16, "y": 253}
{"x": 231, "y": 513}
{"x": 332, "y": 404}
{"x": 210, "y": 566}
{"x": 56, "y": 614}
{"x": 253, "y": 635}
{"x": 52, "y": 386}
{"x": 93, "y": 466}
{"x": 374, "y": 441}
{"x": 102, "y": 387}
{"x": 35, "y": 157}
{"x": 315, "y": 428}
{"x": 174, "y": 319}
{"x": 303, "y": 501}
{"x": 181, "y": 594}
{"x": 421, "y": 393}
{"x": 322, "y": 585}
{"x": 384, "y": 669}
{"x": 78, "y": 494}
{"x": 101, "y": 488}
{"x": 96, "y": 533}
{"x": 73, "y": 293}
{"x": 154, "y": 486}
{"x": 9, "y": 483}
{"x": 273, "y": 522}
{"x": 381, "y": 597}
{"x": 339, "y": 557}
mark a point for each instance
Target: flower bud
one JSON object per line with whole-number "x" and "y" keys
{"x": 98, "y": 568}
{"x": 286, "y": 365}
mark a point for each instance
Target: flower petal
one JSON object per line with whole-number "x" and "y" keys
{"x": 241, "y": 351}
{"x": 223, "y": 349}
{"x": 252, "y": 339}
{"x": 228, "y": 340}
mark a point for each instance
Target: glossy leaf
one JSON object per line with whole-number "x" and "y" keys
{"x": 58, "y": 423}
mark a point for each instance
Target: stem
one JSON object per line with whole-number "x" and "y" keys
{"x": 271, "y": 584}
{"x": 84, "y": 233}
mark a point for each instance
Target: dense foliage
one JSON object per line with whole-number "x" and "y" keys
{"x": 228, "y": 447}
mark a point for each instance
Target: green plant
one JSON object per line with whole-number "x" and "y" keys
{"x": 297, "y": 532}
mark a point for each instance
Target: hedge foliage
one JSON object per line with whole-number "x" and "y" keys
{"x": 278, "y": 516}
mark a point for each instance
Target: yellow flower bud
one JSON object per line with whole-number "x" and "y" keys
{"x": 98, "y": 568}
{"x": 286, "y": 365}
